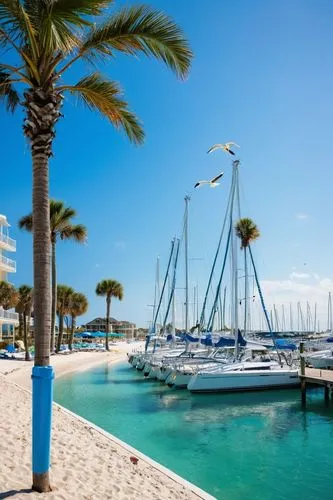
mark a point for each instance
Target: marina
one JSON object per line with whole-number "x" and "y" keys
{"x": 235, "y": 446}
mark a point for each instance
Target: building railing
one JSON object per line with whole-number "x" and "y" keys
{"x": 8, "y": 315}
{"x": 8, "y": 262}
{"x": 8, "y": 240}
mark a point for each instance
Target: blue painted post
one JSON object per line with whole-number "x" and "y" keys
{"x": 42, "y": 397}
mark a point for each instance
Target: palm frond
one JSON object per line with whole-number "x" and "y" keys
{"x": 8, "y": 93}
{"x": 247, "y": 231}
{"x": 110, "y": 288}
{"x": 142, "y": 29}
{"x": 26, "y": 223}
{"x": 76, "y": 232}
{"x": 59, "y": 21}
{"x": 11, "y": 21}
{"x": 78, "y": 304}
{"x": 104, "y": 96}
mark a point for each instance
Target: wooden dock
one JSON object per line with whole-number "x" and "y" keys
{"x": 315, "y": 376}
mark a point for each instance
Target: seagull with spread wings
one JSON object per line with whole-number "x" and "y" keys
{"x": 213, "y": 182}
{"x": 227, "y": 147}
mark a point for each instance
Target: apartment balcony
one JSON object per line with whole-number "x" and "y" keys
{"x": 8, "y": 317}
{"x": 7, "y": 243}
{"x": 7, "y": 265}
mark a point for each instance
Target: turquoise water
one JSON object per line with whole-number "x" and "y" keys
{"x": 236, "y": 446}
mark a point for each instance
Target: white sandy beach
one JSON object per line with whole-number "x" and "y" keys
{"x": 86, "y": 464}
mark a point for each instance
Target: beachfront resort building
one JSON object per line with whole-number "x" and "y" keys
{"x": 8, "y": 319}
{"x": 99, "y": 325}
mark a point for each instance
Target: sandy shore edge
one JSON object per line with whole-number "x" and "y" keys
{"x": 80, "y": 441}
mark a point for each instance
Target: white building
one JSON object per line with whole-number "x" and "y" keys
{"x": 8, "y": 319}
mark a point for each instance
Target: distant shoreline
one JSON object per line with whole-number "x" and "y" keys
{"x": 20, "y": 371}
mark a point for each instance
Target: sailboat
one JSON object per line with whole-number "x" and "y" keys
{"x": 258, "y": 372}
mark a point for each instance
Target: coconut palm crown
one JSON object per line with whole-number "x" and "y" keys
{"x": 247, "y": 231}
{"x": 109, "y": 288}
{"x": 61, "y": 226}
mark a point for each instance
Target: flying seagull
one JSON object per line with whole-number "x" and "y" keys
{"x": 226, "y": 147}
{"x": 213, "y": 182}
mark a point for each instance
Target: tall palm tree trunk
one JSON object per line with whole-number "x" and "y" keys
{"x": 42, "y": 310}
{"x": 54, "y": 294}
{"x": 60, "y": 332}
{"x": 20, "y": 327}
{"x": 43, "y": 110}
{"x": 108, "y": 306}
{"x": 73, "y": 325}
{"x": 25, "y": 338}
{"x": 41, "y": 218}
{"x": 246, "y": 292}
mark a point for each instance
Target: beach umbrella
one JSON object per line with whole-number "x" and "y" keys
{"x": 98, "y": 335}
{"x": 83, "y": 335}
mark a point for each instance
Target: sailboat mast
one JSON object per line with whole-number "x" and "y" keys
{"x": 234, "y": 248}
{"x": 315, "y": 319}
{"x": 223, "y": 307}
{"x": 187, "y": 199}
{"x": 291, "y": 319}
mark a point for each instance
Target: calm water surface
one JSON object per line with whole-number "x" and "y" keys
{"x": 236, "y": 446}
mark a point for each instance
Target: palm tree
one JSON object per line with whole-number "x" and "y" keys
{"x": 47, "y": 38}
{"x": 78, "y": 305}
{"x": 61, "y": 226}
{"x": 247, "y": 231}
{"x": 109, "y": 289}
{"x": 64, "y": 294}
{"x": 8, "y": 295}
{"x": 23, "y": 307}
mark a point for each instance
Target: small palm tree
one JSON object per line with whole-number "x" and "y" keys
{"x": 24, "y": 307}
{"x": 247, "y": 231}
{"x": 109, "y": 289}
{"x": 8, "y": 295}
{"x": 78, "y": 305}
{"x": 61, "y": 227}
{"x": 64, "y": 294}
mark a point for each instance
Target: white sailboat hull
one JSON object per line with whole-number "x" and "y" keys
{"x": 243, "y": 380}
{"x": 164, "y": 373}
{"x": 178, "y": 379}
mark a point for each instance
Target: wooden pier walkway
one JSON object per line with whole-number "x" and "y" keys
{"x": 315, "y": 376}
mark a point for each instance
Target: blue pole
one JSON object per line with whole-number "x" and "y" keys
{"x": 42, "y": 396}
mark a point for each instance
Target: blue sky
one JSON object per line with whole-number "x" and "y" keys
{"x": 262, "y": 76}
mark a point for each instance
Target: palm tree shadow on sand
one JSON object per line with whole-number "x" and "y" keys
{"x": 13, "y": 493}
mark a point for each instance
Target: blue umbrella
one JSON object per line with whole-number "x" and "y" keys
{"x": 83, "y": 335}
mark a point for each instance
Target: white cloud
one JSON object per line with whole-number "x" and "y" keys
{"x": 299, "y": 276}
{"x": 302, "y": 216}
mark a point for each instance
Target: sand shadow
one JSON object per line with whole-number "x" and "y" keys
{"x": 13, "y": 493}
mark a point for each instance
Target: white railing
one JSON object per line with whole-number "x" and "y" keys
{"x": 8, "y": 262}
{"x": 9, "y": 241}
{"x": 8, "y": 315}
